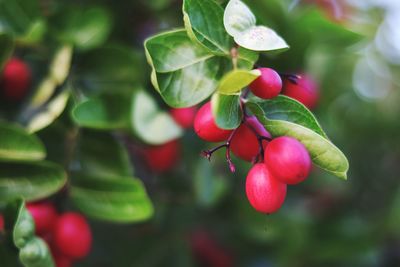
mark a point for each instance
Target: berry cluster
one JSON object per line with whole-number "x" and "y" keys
{"x": 277, "y": 162}
{"x": 15, "y": 80}
{"x": 68, "y": 235}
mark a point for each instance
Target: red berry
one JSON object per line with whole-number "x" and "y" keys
{"x": 1, "y": 223}
{"x": 184, "y": 116}
{"x": 268, "y": 85}
{"x": 305, "y": 91}
{"x": 163, "y": 157}
{"x": 265, "y": 193}
{"x": 206, "y": 128}
{"x": 288, "y": 160}
{"x": 45, "y": 216}
{"x": 245, "y": 143}
{"x": 72, "y": 235}
{"x": 16, "y": 79}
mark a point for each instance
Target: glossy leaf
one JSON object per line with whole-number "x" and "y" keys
{"x": 150, "y": 124}
{"x": 226, "y": 110}
{"x": 105, "y": 112}
{"x": 6, "y": 48}
{"x": 33, "y": 251}
{"x": 111, "y": 199}
{"x": 236, "y": 80}
{"x": 18, "y": 145}
{"x": 85, "y": 28}
{"x": 111, "y": 68}
{"x": 50, "y": 113}
{"x": 101, "y": 154}
{"x": 32, "y": 181}
{"x": 183, "y": 73}
{"x": 240, "y": 23}
{"x": 284, "y": 116}
{"x": 204, "y": 24}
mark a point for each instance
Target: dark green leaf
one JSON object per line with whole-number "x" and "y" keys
{"x": 284, "y": 116}
{"x": 226, "y": 110}
{"x": 16, "y": 144}
{"x": 33, "y": 251}
{"x": 204, "y": 24}
{"x": 112, "y": 199}
{"x": 105, "y": 112}
{"x": 31, "y": 181}
{"x": 183, "y": 73}
{"x": 151, "y": 124}
{"x": 85, "y": 28}
{"x": 102, "y": 155}
{"x": 110, "y": 68}
{"x": 6, "y": 48}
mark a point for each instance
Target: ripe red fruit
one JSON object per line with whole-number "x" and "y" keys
{"x": 288, "y": 160}
{"x": 45, "y": 216}
{"x": 1, "y": 223}
{"x": 245, "y": 143}
{"x": 265, "y": 193}
{"x": 305, "y": 91}
{"x": 205, "y": 127}
{"x": 16, "y": 78}
{"x": 268, "y": 85}
{"x": 184, "y": 116}
{"x": 163, "y": 157}
{"x": 72, "y": 235}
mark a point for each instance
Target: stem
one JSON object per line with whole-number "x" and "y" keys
{"x": 234, "y": 54}
{"x": 260, "y": 139}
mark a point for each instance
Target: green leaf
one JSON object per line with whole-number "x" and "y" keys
{"x": 102, "y": 155}
{"x": 113, "y": 199}
{"x": 149, "y": 123}
{"x": 209, "y": 188}
{"x": 33, "y": 251}
{"x": 31, "y": 181}
{"x": 184, "y": 73}
{"x": 284, "y": 116}
{"x": 111, "y": 68}
{"x": 85, "y": 28}
{"x": 204, "y": 24}
{"x": 240, "y": 23}
{"x": 6, "y": 48}
{"x": 58, "y": 73}
{"x": 51, "y": 112}
{"x": 35, "y": 32}
{"x": 21, "y": 18}
{"x": 226, "y": 110}
{"x": 105, "y": 112}
{"x": 236, "y": 80}
{"x": 16, "y": 144}
{"x": 247, "y": 58}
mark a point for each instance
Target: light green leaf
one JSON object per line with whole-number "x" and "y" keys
{"x": 247, "y": 58}
{"x": 149, "y": 123}
{"x": 18, "y": 145}
{"x": 102, "y": 155}
{"x": 6, "y": 48}
{"x": 19, "y": 224}
{"x": 31, "y": 181}
{"x": 85, "y": 28}
{"x": 284, "y": 116}
{"x": 105, "y": 112}
{"x": 235, "y": 80}
{"x": 204, "y": 24}
{"x": 184, "y": 73}
{"x": 35, "y": 32}
{"x": 113, "y": 199}
{"x": 240, "y": 23}
{"x": 226, "y": 110}
{"x": 50, "y": 113}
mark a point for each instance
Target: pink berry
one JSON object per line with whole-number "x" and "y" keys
{"x": 305, "y": 91}
{"x": 16, "y": 78}
{"x": 288, "y": 160}
{"x": 184, "y": 116}
{"x": 45, "y": 216}
{"x": 268, "y": 85}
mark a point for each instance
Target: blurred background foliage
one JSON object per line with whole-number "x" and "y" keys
{"x": 351, "y": 48}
